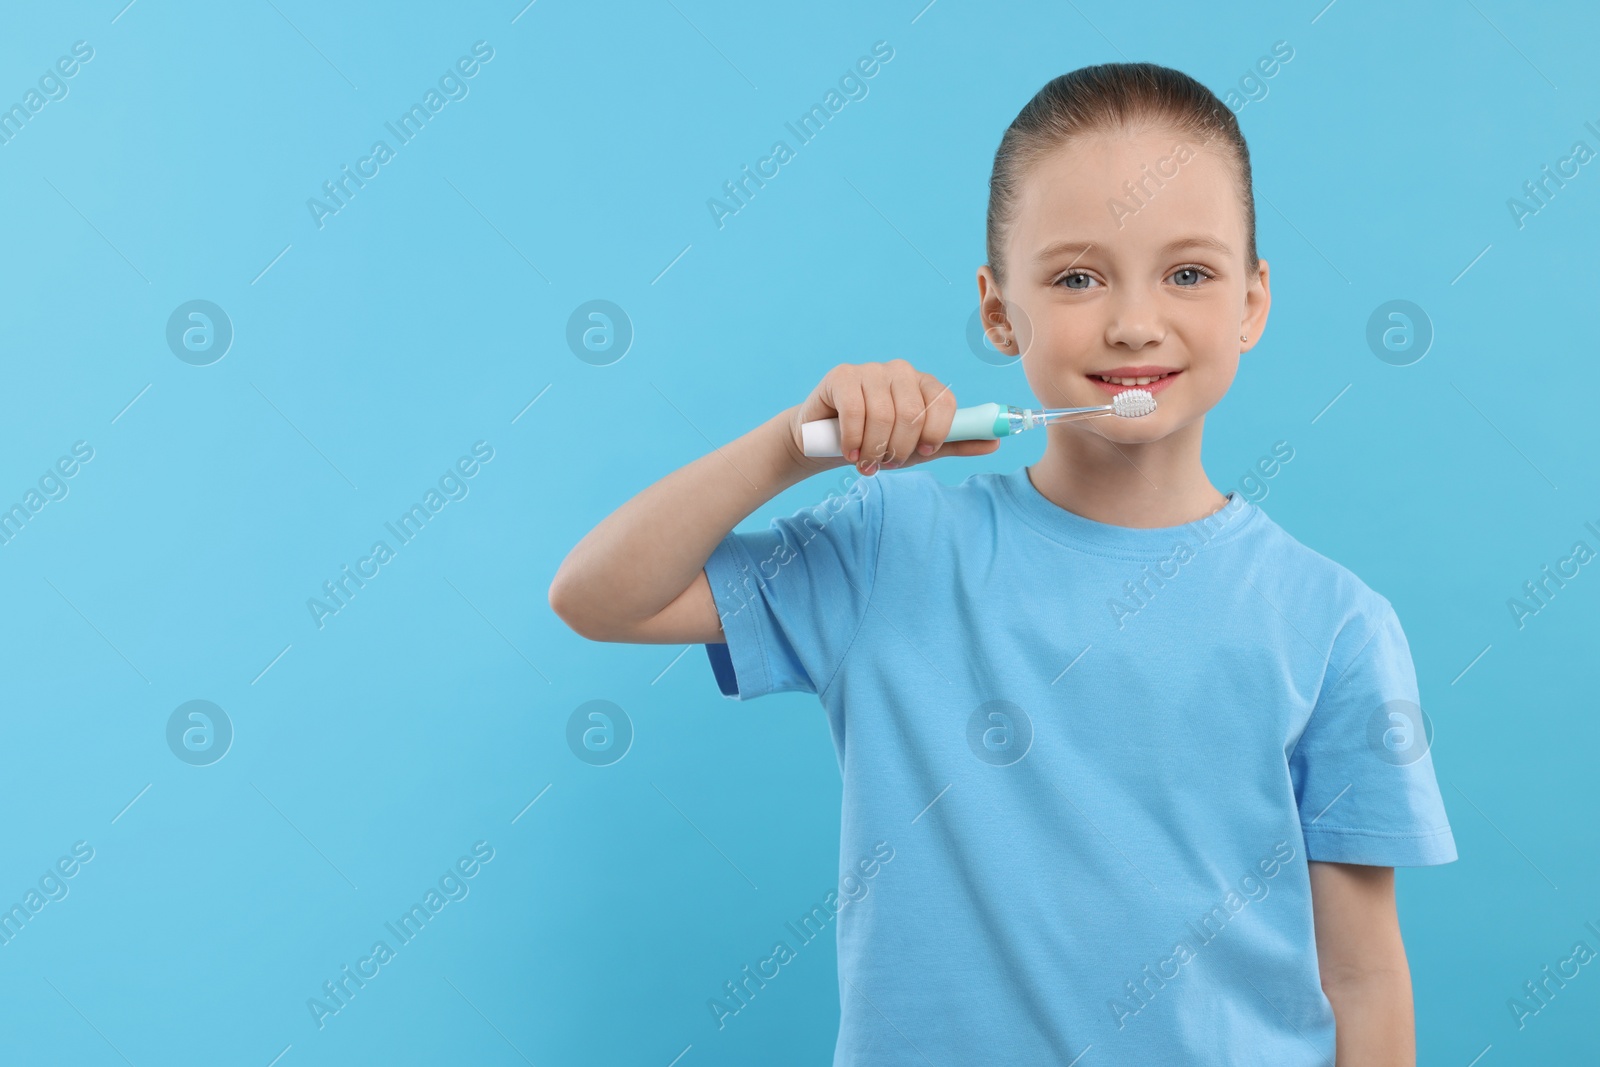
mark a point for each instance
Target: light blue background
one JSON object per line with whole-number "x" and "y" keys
{"x": 428, "y": 313}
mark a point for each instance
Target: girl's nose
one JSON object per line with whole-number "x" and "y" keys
{"x": 1134, "y": 323}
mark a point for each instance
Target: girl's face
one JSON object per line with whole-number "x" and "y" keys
{"x": 1126, "y": 259}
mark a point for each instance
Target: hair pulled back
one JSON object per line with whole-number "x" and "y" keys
{"x": 1100, "y": 99}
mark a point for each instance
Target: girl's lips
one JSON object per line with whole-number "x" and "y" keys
{"x": 1154, "y": 387}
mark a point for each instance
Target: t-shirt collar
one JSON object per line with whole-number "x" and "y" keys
{"x": 1072, "y": 529}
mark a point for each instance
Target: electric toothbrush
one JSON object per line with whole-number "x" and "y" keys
{"x": 988, "y": 422}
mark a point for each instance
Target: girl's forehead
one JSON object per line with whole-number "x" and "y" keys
{"x": 1136, "y": 168}
{"x": 1128, "y": 189}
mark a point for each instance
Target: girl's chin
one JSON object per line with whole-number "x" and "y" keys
{"x": 1124, "y": 431}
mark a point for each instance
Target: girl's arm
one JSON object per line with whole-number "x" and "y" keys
{"x": 1363, "y": 964}
{"x": 639, "y": 575}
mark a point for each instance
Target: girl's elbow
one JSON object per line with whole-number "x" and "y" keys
{"x": 566, "y": 602}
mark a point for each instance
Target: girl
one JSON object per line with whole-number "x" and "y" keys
{"x": 1145, "y": 762}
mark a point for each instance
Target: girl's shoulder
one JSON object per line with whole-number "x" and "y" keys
{"x": 1301, "y": 574}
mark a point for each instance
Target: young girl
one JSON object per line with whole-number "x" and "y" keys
{"x": 1145, "y": 762}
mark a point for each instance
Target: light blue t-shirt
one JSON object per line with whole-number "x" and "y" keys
{"x": 1098, "y": 758}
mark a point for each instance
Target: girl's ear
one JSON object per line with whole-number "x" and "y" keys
{"x": 1005, "y": 324}
{"x": 1257, "y": 301}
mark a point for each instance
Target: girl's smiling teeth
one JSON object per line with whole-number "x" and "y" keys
{"x": 1152, "y": 379}
{"x": 1134, "y": 381}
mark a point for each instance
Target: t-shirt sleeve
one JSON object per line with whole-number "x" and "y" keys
{"x": 1362, "y": 770}
{"x": 792, "y": 597}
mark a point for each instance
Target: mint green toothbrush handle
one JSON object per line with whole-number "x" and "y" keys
{"x": 981, "y": 422}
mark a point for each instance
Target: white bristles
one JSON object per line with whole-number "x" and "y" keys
{"x": 1132, "y": 403}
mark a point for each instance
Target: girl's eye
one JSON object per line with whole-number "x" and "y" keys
{"x": 1190, "y": 277}
{"x": 1077, "y": 280}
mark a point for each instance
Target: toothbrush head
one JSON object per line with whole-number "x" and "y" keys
{"x": 1132, "y": 403}
{"x": 1129, "y": 404}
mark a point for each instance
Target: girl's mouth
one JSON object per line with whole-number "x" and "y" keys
{"x": 1151, "y": 383}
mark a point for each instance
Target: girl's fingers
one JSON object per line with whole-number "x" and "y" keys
{"x": 892, "y": 415}
{"x": 845, "y": 397}
{"x": 879, "y": 422}
{"x": 940, "y": 404}
{"x": 909, "y": 413}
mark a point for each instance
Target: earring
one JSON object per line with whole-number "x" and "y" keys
{"x": 1244, "y": 337}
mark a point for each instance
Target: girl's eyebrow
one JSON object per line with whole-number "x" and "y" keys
{"x": 1059, "y": 248}
{"x": 1198, "y": 241}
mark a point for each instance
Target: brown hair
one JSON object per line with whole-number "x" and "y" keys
{"x": 1099, "y": 99}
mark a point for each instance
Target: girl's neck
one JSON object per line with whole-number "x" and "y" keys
{"x": 1160, "y": 483}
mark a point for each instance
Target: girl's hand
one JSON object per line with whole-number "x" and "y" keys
{"x": 890, "y": 415}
